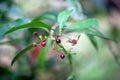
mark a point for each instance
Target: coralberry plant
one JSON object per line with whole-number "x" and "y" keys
{"x": 61, "y": 28}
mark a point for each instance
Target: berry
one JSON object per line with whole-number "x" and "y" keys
{"x": 62, "y": 56}
{"x": 34, "y": 44}
{"x": 43, "y": 44}
{"x": 35, "y": 33}
{"x": 58, "y": 41}
{"x": 74, "y": 41}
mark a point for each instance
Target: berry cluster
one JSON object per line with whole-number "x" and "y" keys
{"x": 43, "y": 43}
{"x": 57, "y": 41}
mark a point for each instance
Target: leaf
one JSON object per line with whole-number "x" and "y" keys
{"x": 91, "y": 32}
{"x": 95, "y": 33}
{"x": 76, "y": 6}
{"x": 13, "y": 42}
{"x": 42, "y": 54}
{"x": 51, "y": 16}
{"x": 33, "y": 24}
{"x": 83, "y": 24}
{"x": 62, "y": 18}
{"x": 93, "y": 41}
{"x": 6, "y": 27}
{"x": 71, "y": 76}
{"x": 21, "y": 53}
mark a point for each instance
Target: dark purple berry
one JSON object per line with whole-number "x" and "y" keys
{"x": 58, "y": 41}
{"x": 35, "y": 33}
{"x": 34, "y": 44}
{"x": 74, "y": 41}
{"x": 62, "y": 56}
{"x": 43, "y": 44}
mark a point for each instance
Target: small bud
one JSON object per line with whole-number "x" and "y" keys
{"x": 34, "y": 44}
{"x": 73, "y": 41}
{"x": 62, "y": 56}
{"x": 35, "y": 33}
{"x": 43, "y": 44}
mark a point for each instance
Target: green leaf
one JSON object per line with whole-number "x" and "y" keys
{"x": 93, "y": 41}
{"x": 62, "y": 18}
{"x": 71, "y": 76}
{"x": 95, "y": 33}
{"x": 91, "y": 32}
{"x": 76, "y": 6}
{"x": 13, "y": 42}
{"x": 51, "y": 16}
{"x": 6, "y": 27}
{"x": 21, "y": 53}
{"x": 83, "y": 24}
{"x": 43, "y": 53}
{"x": 33, "y": 24}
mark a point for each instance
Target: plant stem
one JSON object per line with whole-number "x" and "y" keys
{"x": 39, "y": 38}
{"x": 70, "y": 62}
{"x": 69, "y": 56}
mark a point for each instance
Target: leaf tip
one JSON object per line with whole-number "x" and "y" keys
{"x": 12, "y": 63}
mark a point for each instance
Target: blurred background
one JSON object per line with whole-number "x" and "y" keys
{"x": 88, "y": 63}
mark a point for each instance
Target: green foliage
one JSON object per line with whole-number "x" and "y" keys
{"x": 95, "y": 33}
{"x": 13, "y": 42}
{"x": 42, "y": 54}
{"x": 42, "y": 25}
{"x": 8, "y": 26}
{"x": 62, "y": 18}
{"x": 33, "y": 24}
{"x": 48, "y": 16}
{"x": 83, "y": 24}
{"x": 93, "y": 41}
{"x": 71, "y": 76}
{"x": 91, "y": 32}
{"x": 21, "y": 53}
{"x": 86, "y": 26}
{"x": 76, "y": 6}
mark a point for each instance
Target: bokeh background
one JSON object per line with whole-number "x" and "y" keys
{"x": 88, "y": 63}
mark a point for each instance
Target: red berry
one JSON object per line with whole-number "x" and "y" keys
{"x": 58, "y": 41}
{"x": 74, "y": 41}
{"x": 43, "y": 44}
{"x": 34, "y": 44}
{"x": 62, "y": 56}
{"x": 35, "y": 33}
